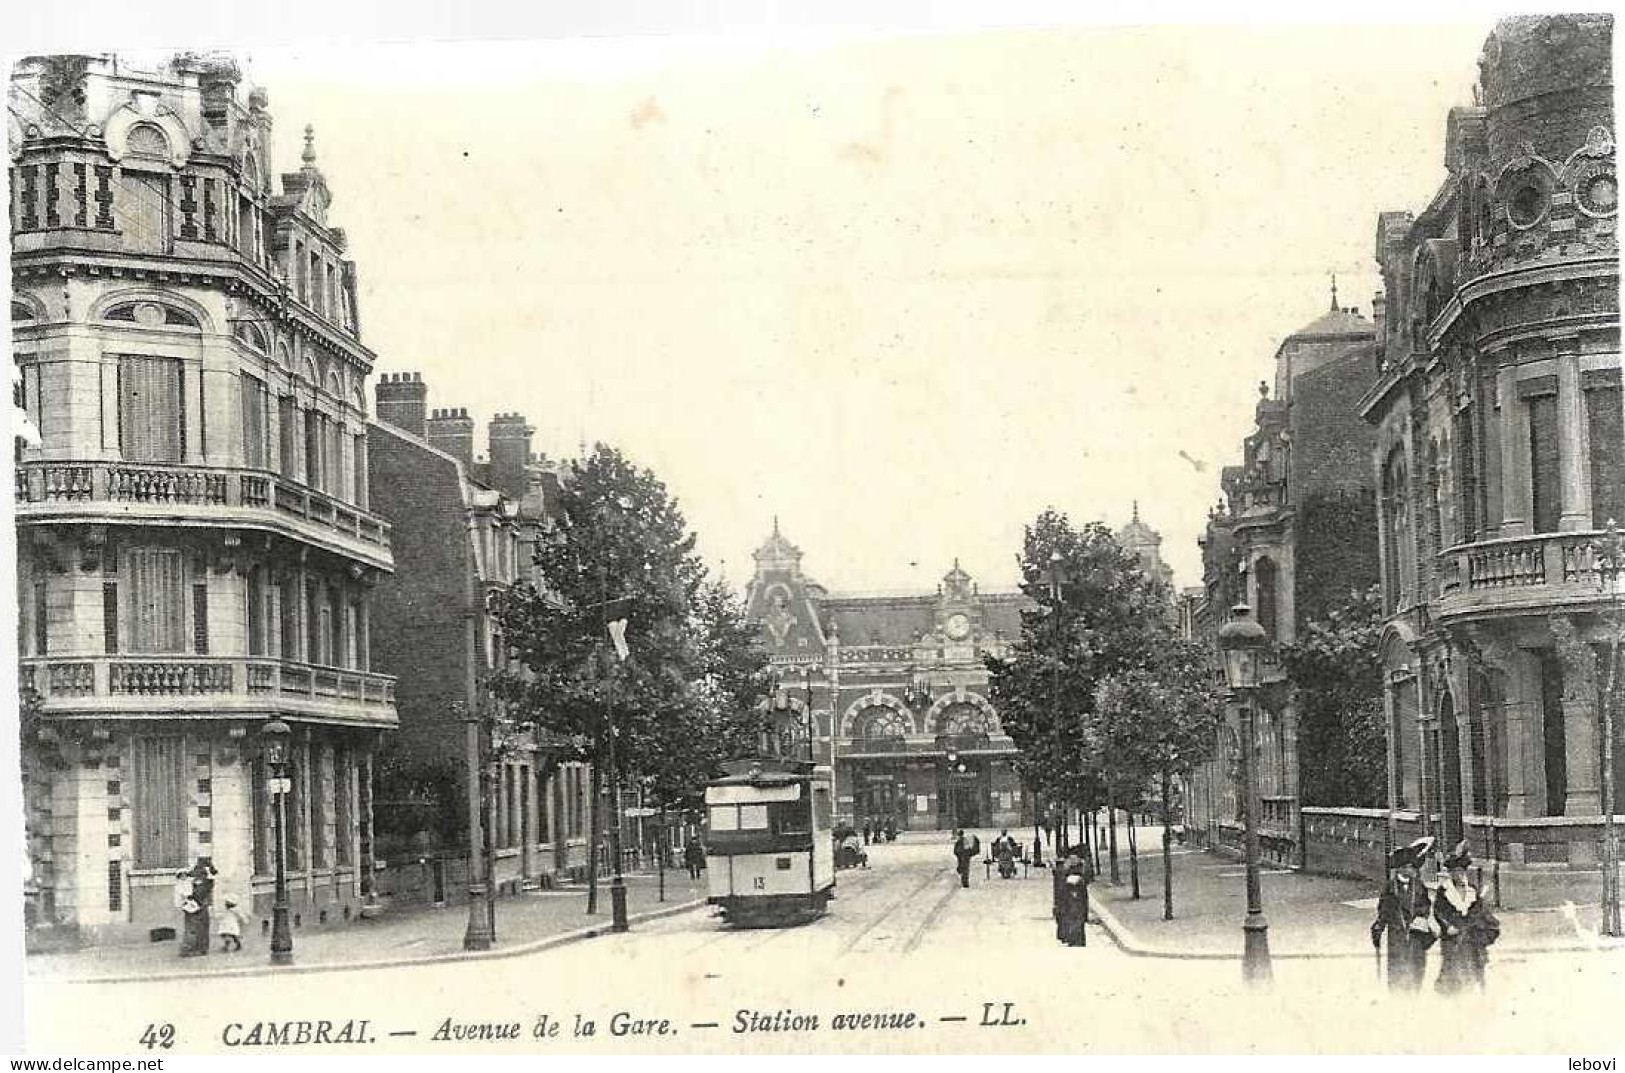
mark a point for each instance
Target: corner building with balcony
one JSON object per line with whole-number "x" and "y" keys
{"x": 195, "y": 547}
{"x": 1499, "y": 457}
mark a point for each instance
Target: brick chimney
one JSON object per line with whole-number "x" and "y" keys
{"x": 510, "y": 453}
{"x": 453, "y": 432}
{"x": 402, "y": 401}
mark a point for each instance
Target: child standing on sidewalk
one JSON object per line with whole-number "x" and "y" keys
{"x": 231, "y": 928}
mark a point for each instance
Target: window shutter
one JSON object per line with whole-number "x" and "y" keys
{"x": 160, "y": 802}
{"x": 157, "y": 600}
{"x": 110, "y": 617}
{"x": 287, "y": 428}
{"x": 200, "y": 615}
{"x": 1607, "y": 456}
{"x": 255, "y": 597}
{"x": 143, "y": 210}
{"x": 1544, "y": 463}
{"x": 151, "y": 422}
{"x": 254, "y": 440}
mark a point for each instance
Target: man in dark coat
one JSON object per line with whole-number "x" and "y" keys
{"x": 694, "y": 857}
{"x": 1404, "y": 911}
{"x": 1467, "y": 928}
{"x": 1071, "y": 891}
{"x": 966, "y": 849}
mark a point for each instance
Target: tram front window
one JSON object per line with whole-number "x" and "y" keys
{"x": 790, "y": 818}
{"x": 724, "y": 818}
{"x": 753, "y": 817}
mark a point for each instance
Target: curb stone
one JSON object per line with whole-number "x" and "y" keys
{"x": 532, "y": 947}
{"x": 1130, "y": 944}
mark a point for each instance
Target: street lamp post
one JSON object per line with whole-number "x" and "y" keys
{"x": 1610, "y": 571}
{"x": 1240, "y": 641}
{"x": 275, "y": 737}
{"x": 479, "y": 934}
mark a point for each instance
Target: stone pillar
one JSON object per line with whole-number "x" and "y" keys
{"x": 1516, "y": 506}
{"x": 1571, "y": 431}
{"x": 1525, "y": 772}
{"x": 527, "y": 818}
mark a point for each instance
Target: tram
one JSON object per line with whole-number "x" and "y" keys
{"x": 770, "y": 858}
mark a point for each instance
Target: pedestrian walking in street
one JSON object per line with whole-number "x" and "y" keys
{"x": 1006, "y": 853}
{"x": 1467, "y": 928}
{"x": 694, "y": 857}
{"x": 230, "y": 928}
{"x": 967, "y": 847}
{"x": 1404, "y": 911}
{"x": 868, "y": 830}
{"x": 1071, "y": 898}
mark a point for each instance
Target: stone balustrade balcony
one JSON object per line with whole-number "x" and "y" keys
{"x": 159, "y": 493}
{"x": 1513, "y": 574}
{"x": 221, "y": 687}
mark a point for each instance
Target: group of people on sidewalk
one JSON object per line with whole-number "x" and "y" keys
{"x": 194, "y": 898}
{"x": 1420, "y": 908}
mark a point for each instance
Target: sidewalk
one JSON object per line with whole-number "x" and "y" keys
{"x": 410, "y": 935}
{"x": 1309, "y": 915}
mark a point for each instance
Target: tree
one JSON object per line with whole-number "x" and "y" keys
{"x": 687, "y": 693}
{"x": 721, "y": 713}
{"x": 1336, "y": 672}
{"x": 1161, "y": 719}
{"x": 1095, "y": 613}
{"x": 619, "y": 549}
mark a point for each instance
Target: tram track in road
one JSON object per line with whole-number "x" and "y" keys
{"x": 892, "y": 907}
{"x": 913, "y": 941}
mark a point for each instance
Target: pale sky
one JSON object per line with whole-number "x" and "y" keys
{"x": 902, "y": 292}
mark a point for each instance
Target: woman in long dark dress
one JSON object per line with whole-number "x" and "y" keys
{"x": 197, "y": 933}
{"x": 1467, "y": 928}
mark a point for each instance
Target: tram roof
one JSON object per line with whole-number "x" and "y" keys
{"x": 766, "y": 771}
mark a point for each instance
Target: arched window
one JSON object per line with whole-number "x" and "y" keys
{"x": 882, "y": 722}
{"x": 1396, "y": 526}
{"x": 965, "y": 718}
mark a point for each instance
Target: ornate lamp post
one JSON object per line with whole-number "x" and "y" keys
{"x": 1241, "y": 640}
{"x": 1610, "y": 571}
{"x": 480, "y": 933}
{"x": 275, "y": 736}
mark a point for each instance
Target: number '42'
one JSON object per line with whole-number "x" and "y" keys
{"x": 158, "y": 1036}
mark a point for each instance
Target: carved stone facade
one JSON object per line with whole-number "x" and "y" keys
{"x": 900, "y": 679}
{"x": 196, "y": 549}
{"x": 1500, "y": 455}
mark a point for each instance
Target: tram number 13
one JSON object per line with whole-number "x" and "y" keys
{"x": 758, "y": 883}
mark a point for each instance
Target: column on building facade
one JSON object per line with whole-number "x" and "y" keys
{"x": 1573, "y": 460}
{"x": 527, "y": 818}
{"x": 1582, "y": 739}
{"x": 1525, "y": 773}
{"x": 1516, "y": 506}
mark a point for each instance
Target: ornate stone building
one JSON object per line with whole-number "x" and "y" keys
{"x": 900, "y": 678}
{"x": 196, "y": 550}
{"x": 1290, "y": 538}
{"x": 1499, "y": 457}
